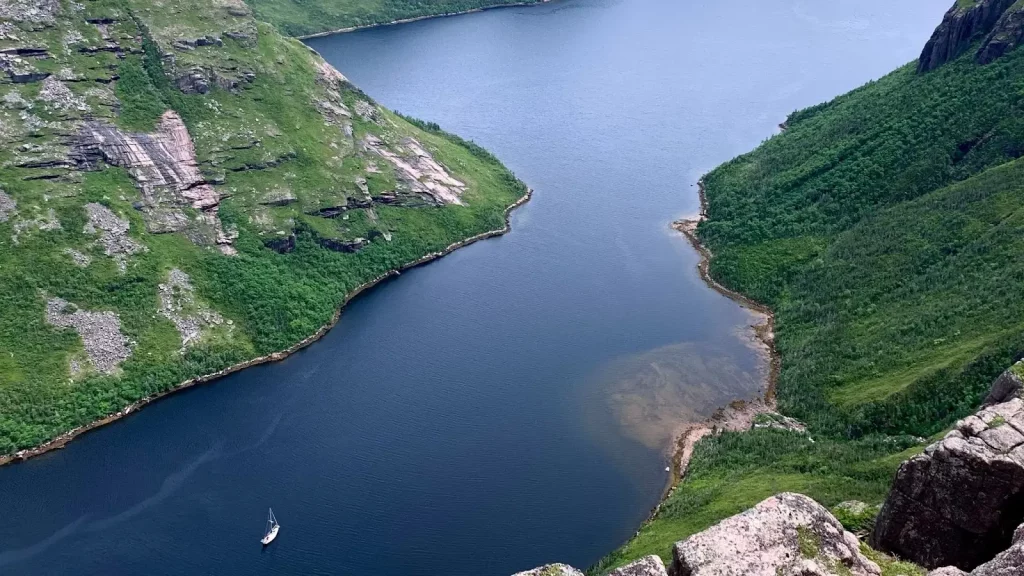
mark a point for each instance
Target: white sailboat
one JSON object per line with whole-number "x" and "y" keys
{"x": 272, "y": 529}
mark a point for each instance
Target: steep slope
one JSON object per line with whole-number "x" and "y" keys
{"x": 306, "y": 17}
{"x": 884, "y": 229}
{"x": 183, "y": 189}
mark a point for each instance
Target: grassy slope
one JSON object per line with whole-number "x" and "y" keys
{"x": 304, "y": 17}
{"x": 273, "y": 300}
{"x": 885, "y": 229}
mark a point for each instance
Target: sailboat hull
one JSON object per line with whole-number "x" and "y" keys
{"x": 270, "y": 535}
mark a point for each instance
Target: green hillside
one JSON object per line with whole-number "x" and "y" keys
{"x": 886, "y": 230}
{"x": 130, "y": 262}
{"x": 305, "y": 17}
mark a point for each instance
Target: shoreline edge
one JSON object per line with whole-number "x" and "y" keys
{"x": 63, "y": 439}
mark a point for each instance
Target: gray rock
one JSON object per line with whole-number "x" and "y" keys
{"x": 36, "y": 11}
{"x": 7, "y": 206}
{"x": 179, "y": 305}
{"x": 959, "y": 502}
{"x": 646, "y": 566}
{"x": 113, "y": 234}
{"x": 551, "y": 570}
{"x": 1007, "y": 386}
{"x": 963, "y": 24}
{"x": 1006, "y": 35}
{"x": 787, "y": 534}
{"x": 101, "y": 335}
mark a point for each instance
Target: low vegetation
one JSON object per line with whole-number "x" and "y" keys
{"x": 275, "y": 157}
{"x": 884, "y": 228}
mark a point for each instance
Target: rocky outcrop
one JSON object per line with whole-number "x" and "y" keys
{"x": 163, "y": 165}
{"x": 1007, "y": 386}
{"x": 787, "y": 534}
{"x": 417, "y": 170}
{"x": 959, "y": 502}
{"x": 1006, "y": 563}
{"x": 1007, "y": 34}
{"x": 965, "y": 23}
{"x": 105, "y": 345}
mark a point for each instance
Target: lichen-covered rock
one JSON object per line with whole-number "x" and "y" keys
{"x": 551, "y": 570}
{"x": 963, "y": 24}
{"x": 646, "y": 566}
{"x": 1009, "y": 562}
{"x": 787, "y": 534}
{"x": 959, "y": 502}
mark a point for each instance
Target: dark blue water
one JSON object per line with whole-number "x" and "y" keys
{"x": 507, "y": 405}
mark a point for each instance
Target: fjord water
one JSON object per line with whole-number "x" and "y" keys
{"x": 509, "y": 404}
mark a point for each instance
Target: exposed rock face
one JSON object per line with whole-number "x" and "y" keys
{"x": 959, "y": 502}
{"x": 417, "y": 170}
{"x": 646, "y": 566}
{"x": 101, "y": 334}
{"x": 551, "y": 570}
{"x": 163, "y": 165}
{"x": 962, "y": 25}
{"x": 787, "y": 534}
{"x": 1006, "y": 563}
{"x": 1005, "y": 36}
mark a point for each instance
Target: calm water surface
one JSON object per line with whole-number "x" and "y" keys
{"x": 509, "y": 404}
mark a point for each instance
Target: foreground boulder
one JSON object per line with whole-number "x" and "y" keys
{"x": 1006, "y": 563}
{"x": 787, "y": 534}
{"x": 646, "y": 566}
{"x": 551, "y": 570}
{"x": 959, "y": 502}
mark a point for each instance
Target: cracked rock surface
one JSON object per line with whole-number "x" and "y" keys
{"x": 100, "y": 332}
{"x": 785, "y": 535}
{"x": 959, "y": 502}
{"x": 416, "y": 169}
{"x": 163, "y": 165}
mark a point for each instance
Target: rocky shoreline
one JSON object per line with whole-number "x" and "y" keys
{"x": 739, "y": 414}
{"x": 63, "y": 439}
{"x": 417, "y": 19}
